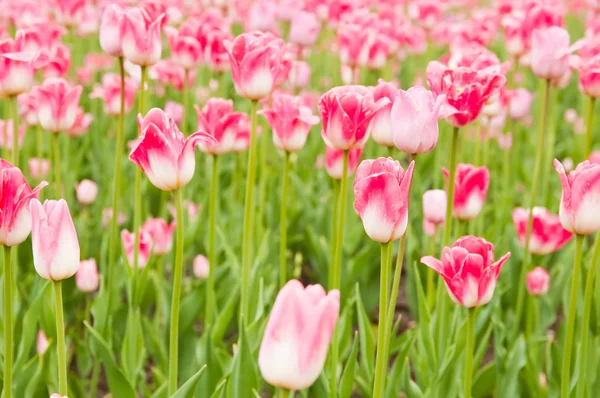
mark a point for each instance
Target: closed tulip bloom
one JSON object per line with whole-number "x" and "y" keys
{"x": 434, "y": 206}
{"x": 290, "y": 121}
{"x": 86, "y": 277}
{"x": 299, "y": 76}
{"x": 54, "y": 240}
{"x": 334, "y": 162}
{"x": 304, "y": 28}
{"x": 201, "y": 267}
{"x": 164, "y": 153}
{"x": 111, "y": 30}
{"x": 87, "y": 191}
{"x": 519, "y": 105}
{"x": 218, "y": 119}
{"x": 27, "y": 104}
{"x": 294, "y": 347}
{"x": 547, "y": 233}
{"x": 538, "y": 281}
{"x": 7, "y": 128}
{"x": 38, "y": 168}
{"x": 185, "y": 48}
{"x": 414, "y": 119}
{"x": 18, "y": 65}
{"x": 145, "y": 247}
{"x": 255, "y": 60}
{"x": 141, "y": 42}
{"x": 589, "y": 74}
{"x": 110, "y": 93}
{"x": 550, "y": 52}
{"x": 161, "y": 234}
{"x": 468, "y": 270}
{"x": 381, "y": 189}
{"x": 57, "y": 105}
{"x": 580, "y": 198}
{"x": 346, "y": 114}
{"x": 381, "y": 128}
{"x": 470, "y": 189}
{"x": 15, "y": 217}
{"x": 42, "y": 343}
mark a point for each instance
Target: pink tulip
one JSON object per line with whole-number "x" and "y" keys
{"x": 294, "y": 347}
{"x": 201, "y": 267}
{"x": 427, "y": 12}
{"x": 161, "y": 234}
{"x": 141, "y": 42}
{"x": 175, "y": 111}
{"x": 290, "y": 121}
{"x": 110, "y": 93}
{"x": 53, "y": 240}
{"x": 107, "y": 216}
{"x": 469, "y": 270}
{"x": 434, "y": 206}
{"x": 299, "y": 76}
{"x": 346, "y": 114}
{"x": 242, "y": 138}
{"x": 164, "y": 153}
{"x": 38, "y": 168}
{"x": 354, "y": 43}
{"x": 170, "y": 73}
{"x": 186, "y": 50}
{"x": 216, "y": 52}
{"x": 334, "y": 161}
{"x": 470, "y": 189}
{"x": 519, "y": 104}
{"x": 18, "y": 65}
{"x": 570, "y": 115}
{"x": 262, "y": 16}
{"x": 547, "y": 234}
{"x": 580, "y": 198}
{"x": 218, "y": 119}
{"x": 59, "y": 63}
{"x": 381, "y": 189}
{"x": 87, "y": 191}
{"x": 82, "y": 123}
{"x": 381, "y": 127}
{"x": 57, "y": 105}
{"x": 27, "y": 104}
{"x": 7, "y": 127}
{"x": 414, "y": 119}
{"x": 255, "y": 60}
{"x": 304, "y": 28}
{"x": 589, "y": 74}
{"x": 505, "y": 141}
{"x": 111, "y": 30}
{"x": 42, "y": 343}
{"x": 86, "y": 277}
{"x": 15, "y": 217}
{"x": 550, "y": 52}
{"x": 69, "y": 12}
{"x": 538, "y": 281}
{"x": 145, "y": 247}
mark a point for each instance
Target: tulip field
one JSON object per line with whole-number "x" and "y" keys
{"x": 299, "y": 198}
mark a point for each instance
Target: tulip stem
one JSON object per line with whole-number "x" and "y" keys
{"x": 8, "y": 326}
{"x": 137, "y": 212}
{"x": 430, "y": 275}
{"x": 248, "y": 224}
{"x": 61, "y": 349}
{"x": 285, "y": 393}
{"x": 283, "y": 223}
{"x": 585, "y": 324}
{"x": 566, "y": 365}
{"x": 212, "y": 216}
{"x": 534, "y": 186}
{"x": 336, "y": 199}
{"x": 56, "y": 143}
{"x": 589, "y": 128}
{"x": 177, "y": 274}
{"x": 391, "y": 310}
{"x": 469, "y": 352}
{"x": 12, "y": 103}
{"x": 384, "y": 291}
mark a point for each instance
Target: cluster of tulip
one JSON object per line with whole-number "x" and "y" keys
{"x": 300, "y": 337}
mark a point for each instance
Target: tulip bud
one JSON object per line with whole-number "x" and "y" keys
{"x": 57, "y": 105}
{"x": 161, "y": 234}
{"x": 145, "y": 246}
{"x": 550, "y": 52}
{"x": 53, "y": 240}
{"x": 470, "y": 190}
{"x": 141, "y": 42}
{"x": 201, "y": 267}
{"x": 87, "y": 191}
{"x": 87, "y": 278}
{"x": 434, "y": 206}
{"x": 381, "y": 127}
{"x": 538, "y": 281}
{"x": 547, "y": 234}
{"x": 218, "y": 119}
{"x": 42, "y": 343}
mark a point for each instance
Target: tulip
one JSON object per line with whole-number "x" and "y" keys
{"x": 300, "y": 74}
{"x": 470, "y": 187}
{"x": 27, "y": 104}
{"x": 18, "y": 65}
{"x": 381, "y": 127}
{"x": 414, "y": 119}
{"x": 505, "y": 141}
{"x": 294, "y": 346}
{"x": 580, "y": 198}
{"x": 161, "y": 235}
{"x": 216, "y": 52}
{"x": 354, "y": 42}
{"x": 538, "y": 281}
{"x": 186, "y": 50}
{"x": 255, "y": 60}
{"x": 145, "y": 247}
{"x": 141, "y": 42}
{"x": 290, "y": 121}
{"x": 164, "y": 153}
{"x": 7, "y": 131}
{"x": 57, "y": 104}
{"x": 59, "y": 63}
{"x": 38, "y": 168}
{"x": 381, "y": 189}
{"x": 346, "y": 114}
{"x": 304, "y": 28}
{"x": 550, "y": 52}
{"x": 107, "y": 216}
{"x": 87, "y": 191}
{"x": 547, "y": 233}
{"x": 87, "y": 278}
{"x": 334, "y": 162}
{"x": 42, "y": 343}
{"x": 82, "y": 123}
{"x": 110, "y": 93}
{"x": 434, "y": 206}
{"x": 201, "y": 267}
{"x": 468, "y": 270}
{"x": 53, "y": 240}
{"x": 111, "y": 30}
{"x": 519, "y": 104}
{"x": 218, "y": 119}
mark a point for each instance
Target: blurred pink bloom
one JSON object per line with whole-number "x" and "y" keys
{"x": 470, "y": 190}
{"x": 42, "y": 343}
{"x": 141, "y": 42}
{"x": 110, "y": 93}
{"x": 185, "y": 48}
{"x": 175, "y": 111}
{"x": 570, "y": 115}
{"x": 59, "y": 63}
{"x": 216, "y": 52}
{"x": 201, "y": 267}
{"x": 82, "y": 123}
{"x": 299, "y": 76}
{"x": 538, "y": 281}
{"x": 27, "y": 104}
{"x": 107, "y": 216}
{"x": 304, "y": 29}
{"x": 550, "y": 53}
{"x": 38, "y": 168}
{"x": 145, "y": 247}
{"x": 505, "y": 141}
{"x": 7, "y": 131}
{"x": 334, "y": 161}
{"x": 381, "y": 128}
{"x": 87, "y": 191}
{"x": 18, "y": 65}
{"x": 111, "y": 30}
{"x": 170, "y": 73}
{"x": 68, "y": 12}
{"x": 87, "y": 278}
{"x": 218, "y": 119}
{"x": 161, "y": 234}
{"x": 547, "y": 235}
{"x": 57, "y": 105}
{"x": 434, "y": 206}
{"x": 262, "y": 16}
{"x": 519, "y": 104}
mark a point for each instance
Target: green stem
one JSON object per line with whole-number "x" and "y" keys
{"x": 61, "y": 349}
{"x": 56, "y": 142}
{"x": 283, "y": 223}
{"x": 248, "y": 224}
{"x": 390, "y": 151}
{"x": 572, "y": 314}
{"x": 534, "y": 186}
{"x": 212, "y": 252}
{"x": 177, "y": 274}
{"x": 585, "y": 324}
{"x": 95, "y": 378}
{"x": 8, "y": 324}
{"x": 589, "y": 128}
{"x": 391, "y": 310}
{"x": 137, "y": 212}
{"x": 431, "y": 275}
{"x": 469, "y": 352}
{"x": 12, "y": 101}
{"x": 285, "y": 393}
{"x": 5, "y": 129}
{"x": 336, "y": 199}
{"x": 384, "y": 287}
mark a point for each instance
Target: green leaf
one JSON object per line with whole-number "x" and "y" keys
{"x": 28, "y": 333}
{"x": 225, "y": 317}
{"x": 133, "y": 352}
{"x": 509, "y": 382}
{"x": 244, "y": 375}
{"x": 117, "y": 381}
{"x": 347, "y": 382}
{"x": 485, "y": 381}
{"x": 220, "y": 390}
{"x": 187, "y": 388}
{"x": 367, "y": 340}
